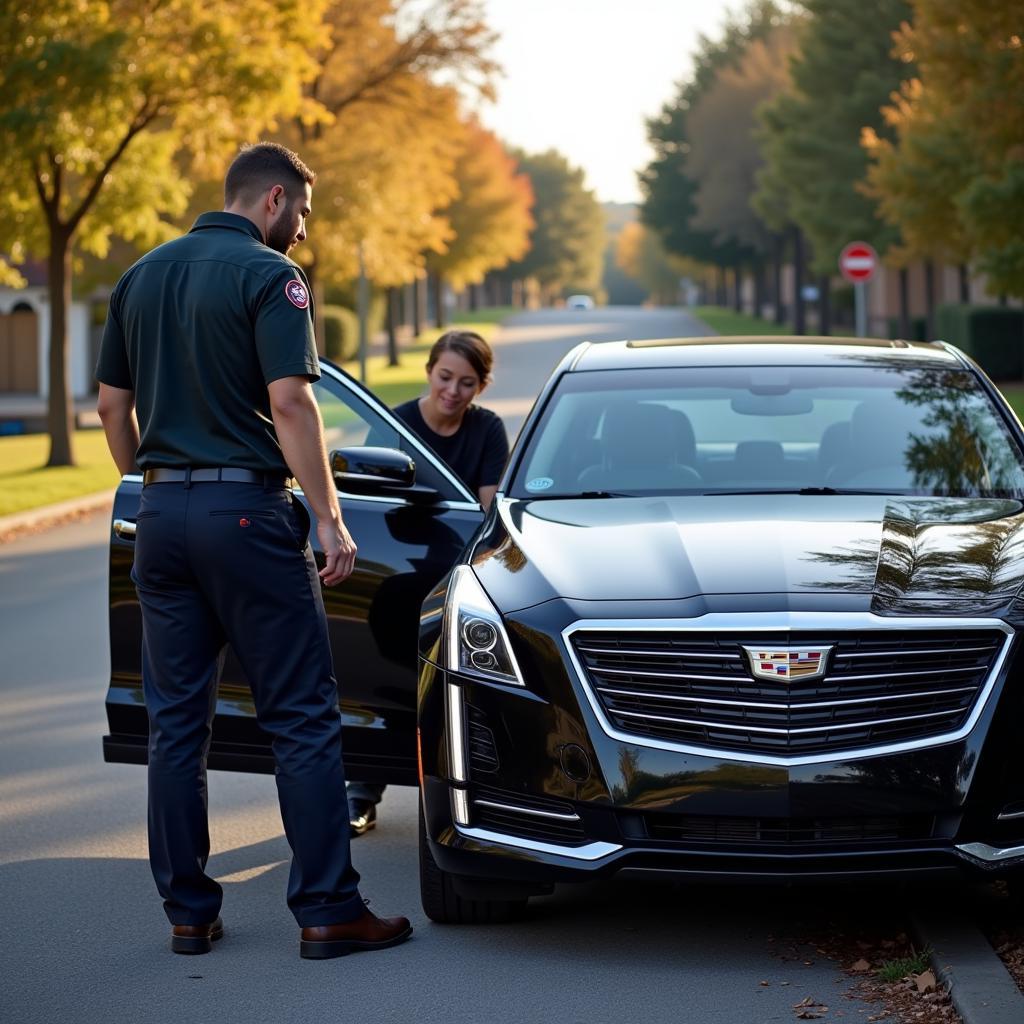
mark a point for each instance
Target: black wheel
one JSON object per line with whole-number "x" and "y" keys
{"x": 441, "y": 902}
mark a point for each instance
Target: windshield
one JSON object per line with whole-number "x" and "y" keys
{"x": 713, "y": 430}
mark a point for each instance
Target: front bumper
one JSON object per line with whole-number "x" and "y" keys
{"x": 523, "y": 819}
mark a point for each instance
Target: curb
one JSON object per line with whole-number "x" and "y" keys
{"x": 34, "y": 519}
{"x": 981, "y": 988}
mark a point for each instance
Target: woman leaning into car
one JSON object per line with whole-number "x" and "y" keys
{"x": 471, "y": 440}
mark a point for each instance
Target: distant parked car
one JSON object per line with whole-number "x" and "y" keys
{"x": 579, "y": 302}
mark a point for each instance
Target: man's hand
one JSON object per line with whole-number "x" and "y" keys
{"x": 339, "y": 551}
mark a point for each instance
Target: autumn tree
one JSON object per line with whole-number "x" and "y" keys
{"x": 952, "y": 175}
{"x": 670, "y": 192}
{"x": 490, "y": 220}
{"x": 841, "y": 76}
{"x": 99, "y": 95}
{"x": 567, "y": 243}
{"x": 383, "y": 129}
{"x": 642, "y": 256}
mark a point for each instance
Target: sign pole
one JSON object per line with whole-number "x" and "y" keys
{"x": 861, "y": 308}
{"x": 857, "y": 263}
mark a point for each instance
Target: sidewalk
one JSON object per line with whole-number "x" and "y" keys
{"x": 26, "y": 414}
{"x": 36, "y": 519}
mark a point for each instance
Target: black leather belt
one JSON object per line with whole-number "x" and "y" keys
{"x": 213, "y": 474}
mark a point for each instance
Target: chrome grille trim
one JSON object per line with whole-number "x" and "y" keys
{"x": 526, "y": 810}
{"x": 831, "y": 727}
{"x": 897, "y": 654}
{"x": 785, "y": 622}
{"x": 664, "y": 654}
{"x": 775, "y": 706}
{"x": 676, "y": 675}
{"x": 900, "y": 673}
{"x": 589, "y": 852}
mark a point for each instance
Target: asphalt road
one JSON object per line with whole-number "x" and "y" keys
{"x": 83, "y": 938}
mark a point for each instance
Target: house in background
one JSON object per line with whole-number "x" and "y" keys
{"x": 25, "y": 340}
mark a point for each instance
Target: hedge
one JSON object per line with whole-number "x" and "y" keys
{"x": 341, "y": 333}
{"x": 991, "y": 335}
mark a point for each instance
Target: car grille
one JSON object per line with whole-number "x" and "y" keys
{"x": 532, "y": 817}
{"x": 880, "y": 686}
{"x": 690, "y": 828}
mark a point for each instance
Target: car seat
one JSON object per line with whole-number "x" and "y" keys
{"x": 639, "y": 446}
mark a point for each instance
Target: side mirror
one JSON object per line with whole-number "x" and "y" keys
{"x": 372, "y": 470}
{"x": 386, "y": 472}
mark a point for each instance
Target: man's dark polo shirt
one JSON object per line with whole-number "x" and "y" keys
{"x": 197, "y": 329}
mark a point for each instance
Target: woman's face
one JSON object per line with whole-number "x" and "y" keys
{"x": 453, "y": 384}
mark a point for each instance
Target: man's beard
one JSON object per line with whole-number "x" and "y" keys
{"x": 280, "y": 235}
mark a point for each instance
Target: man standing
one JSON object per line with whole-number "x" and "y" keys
{"x": 209, "y": 339}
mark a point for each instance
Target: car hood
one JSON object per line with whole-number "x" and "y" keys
{"x": 901, "y": 554}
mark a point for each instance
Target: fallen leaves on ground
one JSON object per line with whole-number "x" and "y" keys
{"x": 810, "y": 1009}
{"x": 916, "y": 999}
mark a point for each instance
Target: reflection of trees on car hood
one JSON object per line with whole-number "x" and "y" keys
{"x": 967, "y": 554}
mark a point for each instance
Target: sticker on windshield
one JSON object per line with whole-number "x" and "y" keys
{"x": 539, "y": 483}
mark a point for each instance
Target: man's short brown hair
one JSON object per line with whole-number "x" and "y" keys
{"x": 260, "y": 167}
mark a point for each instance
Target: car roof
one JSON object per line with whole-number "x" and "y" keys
{"x": 754, "y": 350}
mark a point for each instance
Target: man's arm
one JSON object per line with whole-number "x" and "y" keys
{"x": 301, "y": 434}
{"x": 116, "y": 408}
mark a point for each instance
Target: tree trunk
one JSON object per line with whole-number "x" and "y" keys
{"x": 474, "y": 297}
{"x": 737, "y": 283}
{"x": 61, "y": 412}
{"x": 965, "y": 282}
{"x": 799, "y": 312}
{"x": 720, "y": 295}
{"x": 824, "y": 305}
{"x": 929, "y": 300}
{"x": 437, "y": 282}
{"x": 417, "y": 307}
{"x": 758, "y": 287}
{"x": 777, "y": 258}
{"x": 391, "y": 298}
{"x": 904, "y": 303}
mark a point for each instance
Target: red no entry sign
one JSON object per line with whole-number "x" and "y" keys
{"x": 858, "y": 262}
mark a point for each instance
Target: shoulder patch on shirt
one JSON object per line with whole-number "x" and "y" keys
{"x": 296, "y": 293}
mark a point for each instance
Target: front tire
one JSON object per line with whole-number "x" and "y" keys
{"x": 443, "y": 905}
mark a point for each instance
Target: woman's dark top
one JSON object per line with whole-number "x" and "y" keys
{"x": 476, "y": 452}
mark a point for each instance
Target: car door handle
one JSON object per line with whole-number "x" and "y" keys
{"x": 125, "y": 529}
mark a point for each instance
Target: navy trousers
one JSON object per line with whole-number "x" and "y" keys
{"x": 228, "y": 563}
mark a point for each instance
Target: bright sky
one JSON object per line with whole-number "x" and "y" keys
{"x": 581, "y": 76}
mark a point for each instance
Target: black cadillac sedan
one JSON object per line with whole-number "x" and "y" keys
{"x": 742, "y": 608}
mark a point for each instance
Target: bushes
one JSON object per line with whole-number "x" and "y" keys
{"x": 918, "y": 329}
{"x": 991, "y": 335}
{"x": 341, "y": 333}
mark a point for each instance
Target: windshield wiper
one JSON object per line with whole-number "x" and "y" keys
{"x": 581, "y": 494}
{"x": 806, "y": 490}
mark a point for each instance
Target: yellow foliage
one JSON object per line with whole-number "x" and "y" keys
{"x": 490, "y": 219}
{"x": 384, "y": 135}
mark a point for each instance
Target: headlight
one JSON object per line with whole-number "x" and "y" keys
{"x": 475, "y": 639}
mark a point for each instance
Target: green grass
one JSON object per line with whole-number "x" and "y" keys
{"x": 1014, "y": 394}
{"x": 897, "y": 970}
{"x": 727, "y": 321}
{"x": 25, "y": 482}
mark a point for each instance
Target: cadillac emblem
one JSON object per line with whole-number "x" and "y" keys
{"x": 787, "y": 662}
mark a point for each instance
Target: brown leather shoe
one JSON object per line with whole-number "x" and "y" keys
{"x": 366, "y": 932}
{"x": 196, "y": 938}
